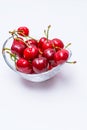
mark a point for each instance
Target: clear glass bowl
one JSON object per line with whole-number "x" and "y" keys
{"x": 31, "y": 77}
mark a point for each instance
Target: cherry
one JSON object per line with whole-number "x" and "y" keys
{"x": 41, "y": 41}
{"x": 18, "y": 46}
{"x": 47, "y": 44}
{"x": 23, "y": 66}
{"x": 49, "y": 53}
{"x": 30, "y": 52}
{"x": 31, "y": 42}
{"x": 44, "y": 40}
{"x": 23, "y": 31}
{"x": 61, "y": 56}
{"x": 58, "y": 44}
{"x": 40, "y": 65}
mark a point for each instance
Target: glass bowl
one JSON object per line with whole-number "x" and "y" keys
{"x": 31, "y": 77}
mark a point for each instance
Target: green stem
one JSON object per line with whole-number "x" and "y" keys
{"x": 48, "y": 32}
{"x": 45, "y": 33}
{"x": 32, "y": 38}
{"x": 71, "y": 62}
{"x": 6, "y": 49}
{"x": 13, "y": 56}
{"x": 67, "y": 45}
{"x": 14, "y": 32}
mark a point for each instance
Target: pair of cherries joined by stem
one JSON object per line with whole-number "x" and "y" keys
{"x": 33, "y": 56}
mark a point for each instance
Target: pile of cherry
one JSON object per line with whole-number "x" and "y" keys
{"x": 33, "y": 56}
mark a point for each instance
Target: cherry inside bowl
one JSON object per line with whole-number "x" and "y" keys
{"x": 31, "y": 77}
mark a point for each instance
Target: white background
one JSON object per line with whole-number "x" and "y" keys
{"x": 59, "y": 103}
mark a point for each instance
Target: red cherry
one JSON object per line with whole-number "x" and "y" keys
{"x": 18, "y": 46}
{"x": 31, "y": 42}
{"x": 57, "y": 43}
{"x": 41, "y": 41}
{"x": 40, "y": 65}
{"x": 47, "y": 44}
{"x": 61, "y": 56}
{"x": 49, "y": 53}
{"x": 30, "y": 52}
{"x": 23, "y": 31}
{"x": 23, "y": 66}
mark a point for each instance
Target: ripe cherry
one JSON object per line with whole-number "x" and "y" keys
{"x": 23, "y": 66}
{"x": 61, "y": 56}
{"x": 18, "y": 46}
{"x": 31, "y": 42}
{"x": 49, "y": 53}
{"x": 30, "y": 52}
{"x": 23, "y": 31}
{"x": 41, "y": 41}
{"x": 44, "y": 40}
{"x": 58, "y": 44}
{"x": 47, "y": 44}
{"x": 40, "y": 65}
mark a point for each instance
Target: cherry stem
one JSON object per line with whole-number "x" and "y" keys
{"x": 47, "y": 32}
{"x": 26, "y": 35}
{"x": 67, "y": 45}
{"x": 13, "y": 33}
{"x": 22, "y": 41}
{"x": 32, "y": 38}
{"x": 6, "y": 49}
{"x": 40, "y": 52}
{"x": 13, "y": 56}
{"x": 71, "y": 62}
{"x": 16, "y": 33}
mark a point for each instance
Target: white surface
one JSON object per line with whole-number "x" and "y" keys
{"x": 59, "y": 103}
